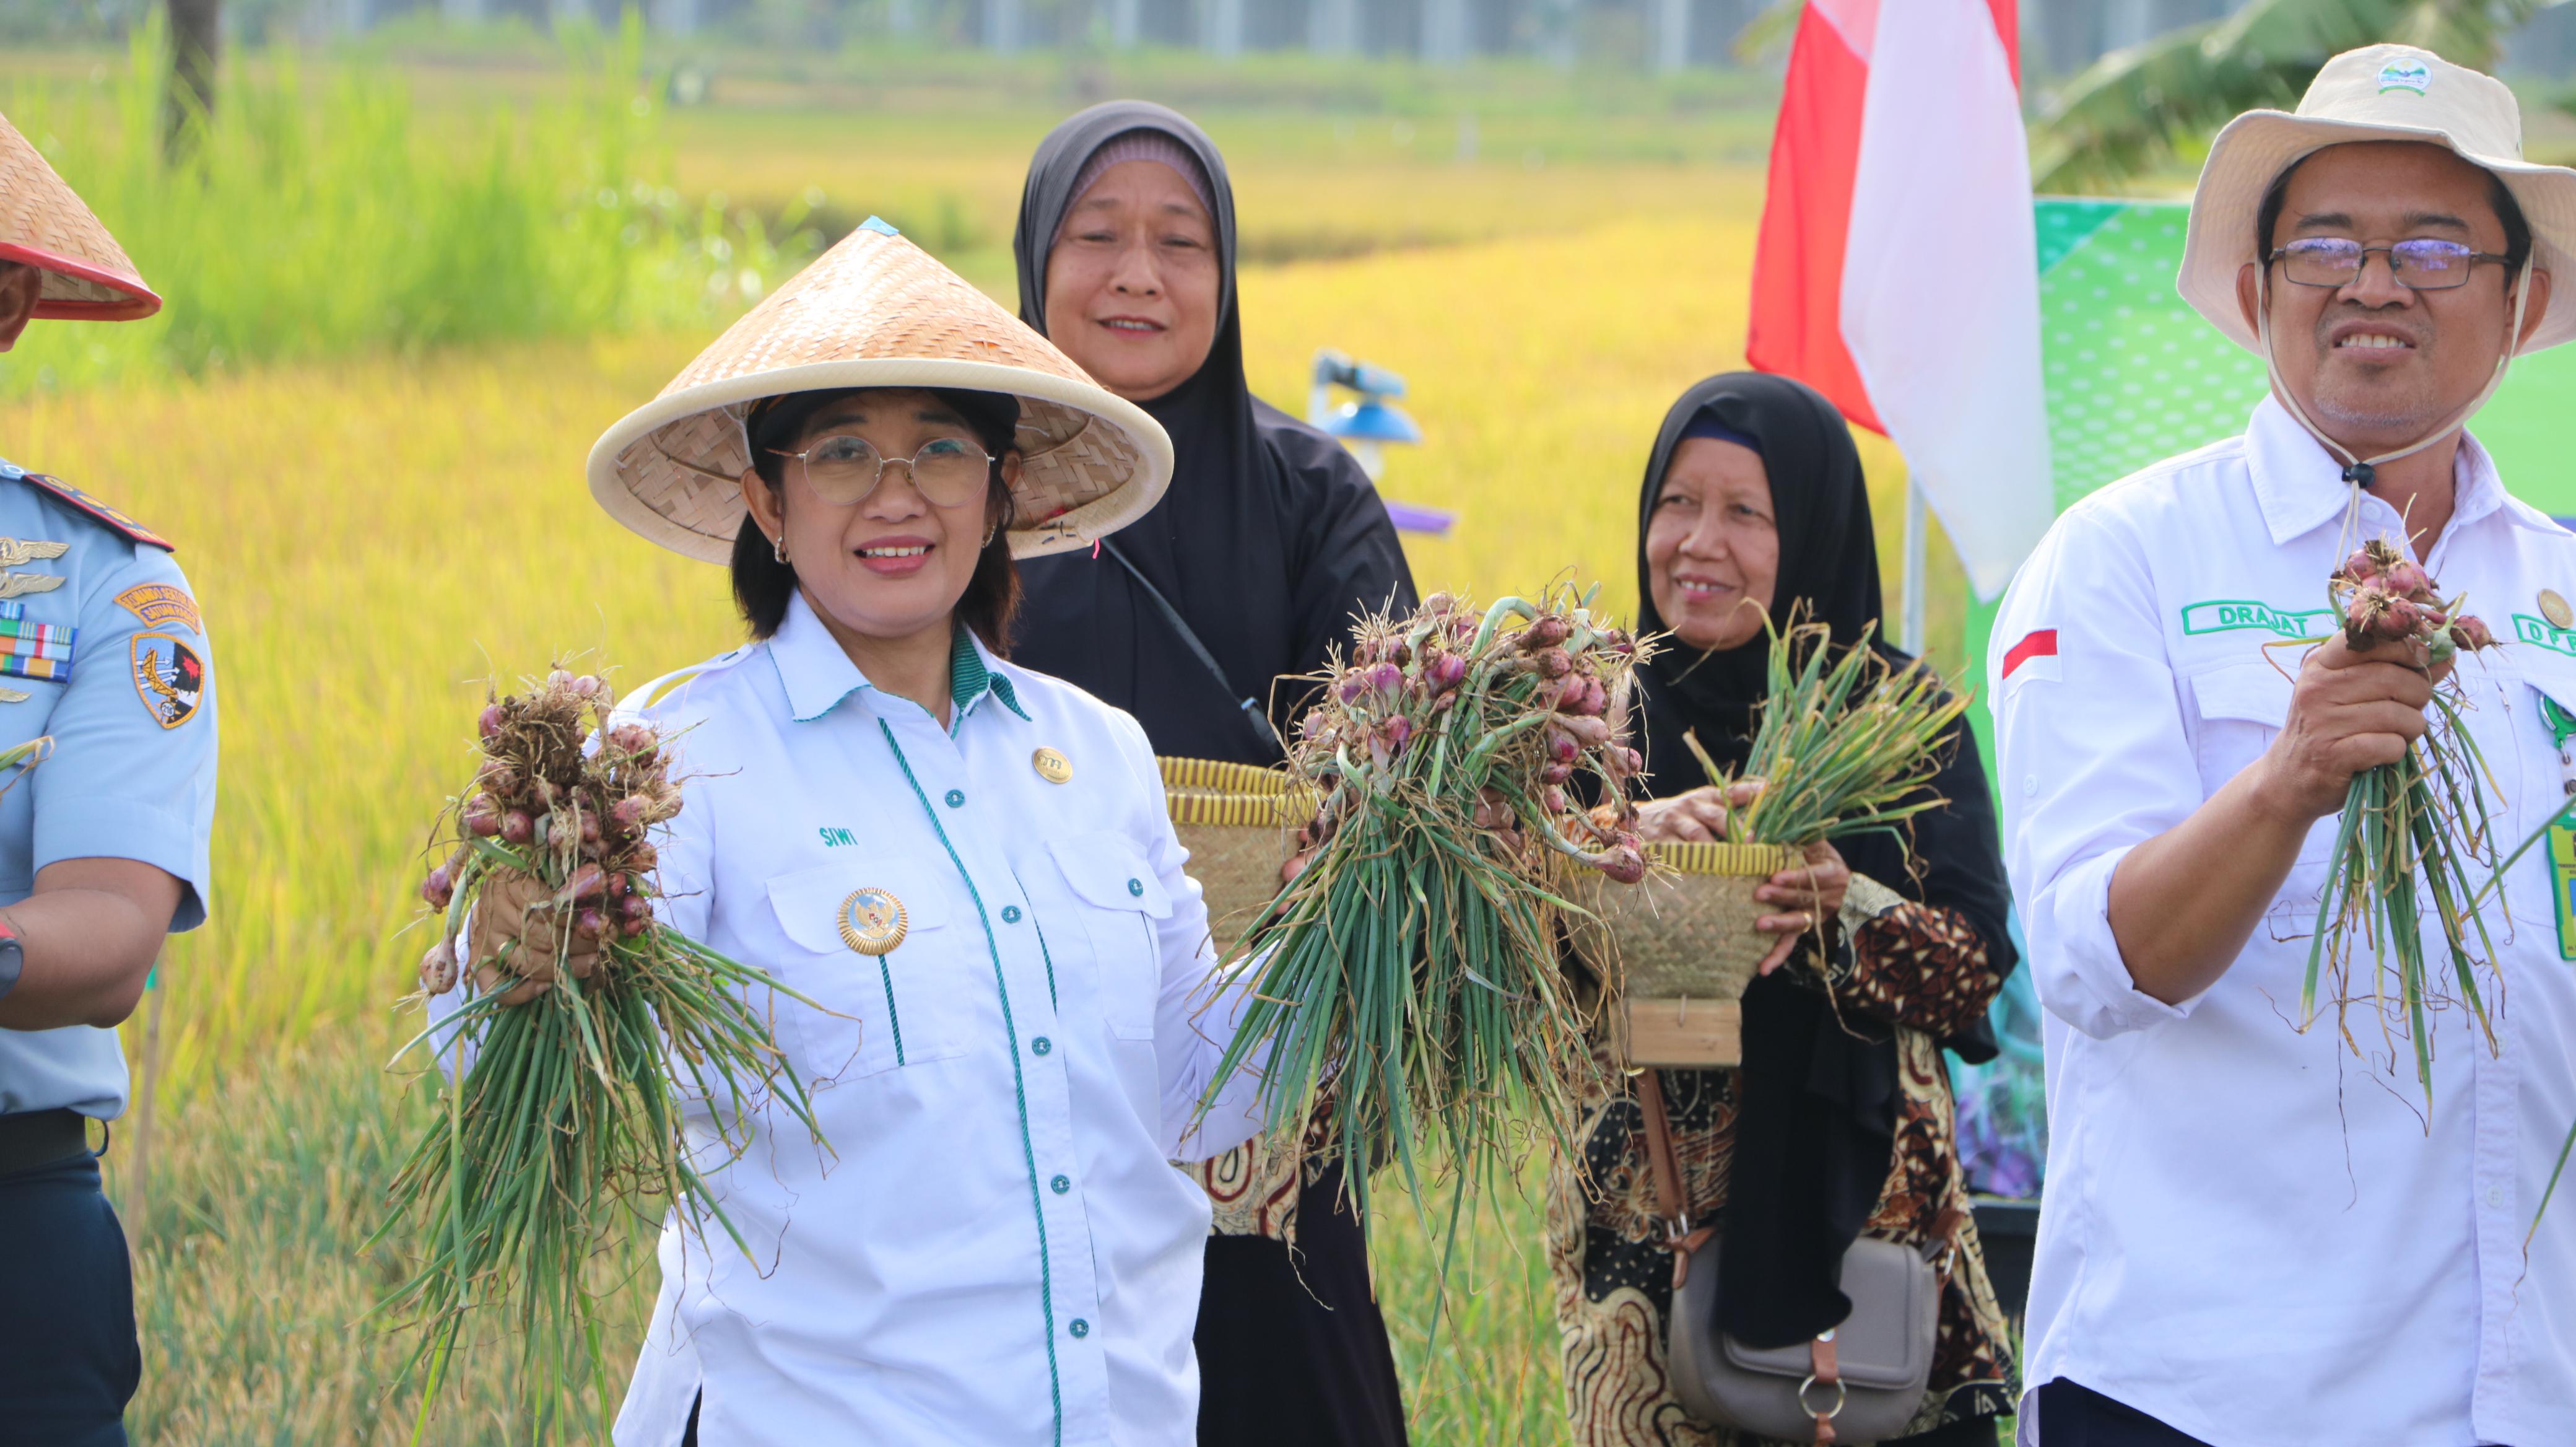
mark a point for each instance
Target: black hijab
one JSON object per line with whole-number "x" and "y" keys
{"x": 1815, "y": 1124}
{"x": 1268, "y": 541}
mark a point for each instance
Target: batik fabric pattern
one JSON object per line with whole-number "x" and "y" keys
{"x": 1919, "y": 968}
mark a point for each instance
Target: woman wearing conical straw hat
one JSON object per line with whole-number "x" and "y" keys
{"x": 968, "y": 864}
{"x": 102, "y": 843}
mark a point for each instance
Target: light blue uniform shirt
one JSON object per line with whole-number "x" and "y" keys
{"x": 107, "y": 654}
{"x": 996, "y": 1249}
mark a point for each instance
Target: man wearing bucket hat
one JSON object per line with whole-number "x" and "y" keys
{"x": 2254, "y": 1234}
{"x": 107, "y": 759}
{"x": 967, "y": 864}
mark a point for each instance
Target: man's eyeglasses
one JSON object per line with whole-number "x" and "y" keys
{"x": 2419, "y": 264}
{"x": 843, "y": 470}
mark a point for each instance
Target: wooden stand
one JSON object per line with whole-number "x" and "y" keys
{"x": 1679, "y": 1034}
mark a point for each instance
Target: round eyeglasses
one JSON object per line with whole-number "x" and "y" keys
{"x": 844, "y": 469}
{"x": 2419, "y": 264}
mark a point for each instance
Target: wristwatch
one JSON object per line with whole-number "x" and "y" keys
{"x": 12, "y": 958}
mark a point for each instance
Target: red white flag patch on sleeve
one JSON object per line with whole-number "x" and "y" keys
{"x": 2034, "y": 657}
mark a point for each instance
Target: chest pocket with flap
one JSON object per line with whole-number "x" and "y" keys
{"x": 887, "y": 1010}
{"x": 2239, "y": 708}
{"x": 1121, "y": 902}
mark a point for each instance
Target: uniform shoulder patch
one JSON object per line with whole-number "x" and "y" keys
{"x": 162, "y": 604}
{"x": 169, "y": 676}
{"x": 105, "y": 514}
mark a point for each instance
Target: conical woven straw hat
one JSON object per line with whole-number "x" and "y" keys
{"x": 877, "y": 311}
{"x": 43, "y": 224}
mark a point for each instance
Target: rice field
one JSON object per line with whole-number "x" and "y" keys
{"x": 375, "y": 532}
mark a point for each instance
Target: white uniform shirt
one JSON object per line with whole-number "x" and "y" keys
{"x": 2248, "y": 1232}
{"x": 1000, "y": 1252}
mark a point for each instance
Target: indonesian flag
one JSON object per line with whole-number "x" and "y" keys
{"x": 1897, "y": 271}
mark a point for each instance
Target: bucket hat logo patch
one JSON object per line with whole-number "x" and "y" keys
{"x": 2407, "y": 75}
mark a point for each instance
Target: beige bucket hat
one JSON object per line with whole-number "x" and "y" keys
{"x": 2377, "y": 93}
{"x": 878, "y": 311}
{"x": 44, "y": 225}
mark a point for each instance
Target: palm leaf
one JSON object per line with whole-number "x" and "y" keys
{"x": 2138, "y": 107}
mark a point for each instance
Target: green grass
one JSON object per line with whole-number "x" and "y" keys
{"x": 323, "y": 215}
{"x": 251, "y": 1285}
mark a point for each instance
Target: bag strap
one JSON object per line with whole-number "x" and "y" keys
{"x": 1670, "y": 1204}
{"x": 1825, "y": 1368}
{"x": 1251, "y": 707}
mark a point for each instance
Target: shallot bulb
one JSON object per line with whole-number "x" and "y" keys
{"x": 1590, "y": 730}
{"x": 438, "y": 969}
{"x": 494, "y": 719}
{"x": 1546, "y": 632}
{"x": 1624, "y": 862}
{"x": 439, "y": 889}
{"x": 2471, "y": 632}
{"x": 1445, "y": 672}
{"x": 517, "y": 827}
{"x": 482, "y": 816}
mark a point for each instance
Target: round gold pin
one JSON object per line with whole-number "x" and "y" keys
{"x": 872, "y": 921}
{"x": 1053, "y": 767}
{"x": 2555, "y": 609}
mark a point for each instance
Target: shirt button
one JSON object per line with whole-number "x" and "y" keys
{"x": 1080, "y": 1328}
{"x": 2495, "y": 1196}
{"x": 1136, "y": 887}
{"x": 1010, "y": 914}
{"x": 2030, "y": 784}
{"x": 1041, "y": 1045}
{"x": 956, "y": 798}
{"x": 1060, "y": 1184}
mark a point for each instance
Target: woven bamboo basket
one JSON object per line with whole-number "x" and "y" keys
{"x": 1238, "y": 822}
{"x": 1681, "y": 947}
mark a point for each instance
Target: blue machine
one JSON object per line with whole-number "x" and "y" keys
{"x": 1367, "y": 423}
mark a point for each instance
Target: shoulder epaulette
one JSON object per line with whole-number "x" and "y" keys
{"x": 105, "y": 514}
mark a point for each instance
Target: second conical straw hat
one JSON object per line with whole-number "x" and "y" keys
{"x": 878, "y": 311}
{"x": 44, "y": 225}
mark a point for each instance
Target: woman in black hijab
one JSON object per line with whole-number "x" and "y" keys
{"x": 1839, "y": 1122}
{"x": 1268, "y": 543}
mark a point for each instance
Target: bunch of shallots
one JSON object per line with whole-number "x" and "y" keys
{"x": 1407, "y": 978}
{"x": 571, "y": 822}
{"x": 2409, "y": 830}
{"x": 2384, "y": 597}
{"x": 591, "y": 1026}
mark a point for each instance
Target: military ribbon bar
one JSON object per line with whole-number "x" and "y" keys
{"x": 34, "y": 650}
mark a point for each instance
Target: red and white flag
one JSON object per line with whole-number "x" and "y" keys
{"x": 1898, "y": 272}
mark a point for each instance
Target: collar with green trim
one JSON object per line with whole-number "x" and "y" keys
{"x": 817, "y": 674}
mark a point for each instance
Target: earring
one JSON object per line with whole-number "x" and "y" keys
{"x": 778, "y": 547}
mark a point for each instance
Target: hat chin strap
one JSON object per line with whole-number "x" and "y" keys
{"x": 2362, "y": 471}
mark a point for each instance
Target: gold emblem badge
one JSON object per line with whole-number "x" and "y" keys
{"x": 2555, "y": 609}
{"x": 1053, "y": 767}
{"x": 873, "y": 921}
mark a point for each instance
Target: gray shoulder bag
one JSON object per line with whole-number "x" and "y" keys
{"x": 1862, "y": 1381}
